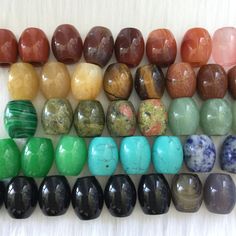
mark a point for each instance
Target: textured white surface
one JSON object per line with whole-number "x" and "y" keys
{"x": 146, "y": 15}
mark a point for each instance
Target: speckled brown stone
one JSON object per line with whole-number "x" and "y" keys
{"x": 232, "y": 81}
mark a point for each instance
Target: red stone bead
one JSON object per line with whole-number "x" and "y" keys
{"x": 8, "y": 47}
{"x": 161, "y": 47}
{"x": 232, "y": 81}
{"x": 67, "y": 44}
{"x": 129, "y": 47}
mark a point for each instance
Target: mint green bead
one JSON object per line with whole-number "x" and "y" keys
{"x": 234, "y": 116}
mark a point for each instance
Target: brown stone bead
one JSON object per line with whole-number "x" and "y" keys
{"x": 129, "y": 47}
{"x": 212, "y": 81}
{"x": 232, "y": 81}
{"x": 67, "y": 44}
{"x": 161, "y": 48}
{"x": 181, "y": 80}
{"x": 98, "y": 46}
{"x": 149, "y": 82}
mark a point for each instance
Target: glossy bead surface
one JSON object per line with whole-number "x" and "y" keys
{"x": 219, "y": 193}
{"x": 21, "y": 197}
{"x": 20, "y": 119}
{"x": 2, "y": 192}
{"x": 54, "y": 195}
{"x": 233, "y": 109}
{"x": 232, "y": 81}
{"x": 120, "y": 195}
{"x": 87, "y": 198}
{"x": 67, "y": 44}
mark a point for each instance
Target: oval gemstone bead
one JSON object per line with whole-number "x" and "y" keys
{"x": 117, "y": 82}
{"x": 232, "y": 81}
{"x": 120, "y": 195}
{"x": 129, "y": 47}
{"x": 234, "y": 116}
{"x": 98, "y": 46}
{"x": 20, "y": 119}
{"x": 54, "y": 195}
{"x": 149, "y": 82}
{"x": 67, "y": 44}
{"x": 2, "y": 193}
{"x": 21, "y": 197}
{"x": 87, "y": 198}
{"x": 154, "y": 194}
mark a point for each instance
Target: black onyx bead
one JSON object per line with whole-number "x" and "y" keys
{"x": 87, "y": 198}
{"x": 21, "y": 197}
{"x": 54, "y": 195}
{"x": 154, "y": 194}
{"x": 120, "y": 195}
{"x": 2, "y": 192}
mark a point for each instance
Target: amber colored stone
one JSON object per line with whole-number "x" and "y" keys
{"x": 161, "y": 48}
{"x": 33, "y": 46}
{"x": 212, "y": 81}
{"x": 181, "y": 80}
{"x": 232, "y": 81}
{"x": 129, "y": 47}
{"x": 196, "y": 47}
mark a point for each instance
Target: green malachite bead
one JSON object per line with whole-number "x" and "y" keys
{"x": 37, "y": 157}
{"x": 71, "y": 155}
{"x": 9, "y": 158}
{"x": 20, "y": 119}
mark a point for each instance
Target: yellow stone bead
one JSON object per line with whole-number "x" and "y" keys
{"x": 55, "y": 80}
{"x": 86, "y": 81}
{"x": 23, "y": 83}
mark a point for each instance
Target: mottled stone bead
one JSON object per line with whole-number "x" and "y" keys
{"x": 232, "y": 81}
{"x": 233, "y": 109}
{"x": 219, "y": 193}
{"x": 181, "y": 80}
{"x": 149, "y": 82}
{"x": 117, "y": 82}
{"x": 187, "y": 192}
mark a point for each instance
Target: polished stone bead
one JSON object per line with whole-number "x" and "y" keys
{"x": 232, "y": 81}
{"x": 183, "y": 116}
{"x": 121, "y": 118}
{"x": 212, "y": 81}
{"x": 23, "y": 82}
{"x": 87, "y": 198}
{"x": 9, "y": 158}
{"x": 67, "y": 44}
{"x": 98, "y": 46}
{"x": 117, "y": 82}
{"x": 102, "y": 156}
{"x": 234, "y": 116}
{"x": 216, "y": 117}
{"x": 167, "y": 154}
{"x": 21, "y": 197}
{"x": 161, "y": 48}
{"x": 149, "y": 82}
{"x": 181, "y": 80}
{"x": 55, "y": 80}
{"x": 135, "y": 155}
{"x": 57, "y": 116}
{"x": 54, "y": 195}
{"x": 89, "y": 118}
{"x": 34, "y": 46}
{"x": 219, "y": 193}
{"x": 196, "y": 47}
{"x": 20, "y": 119}
{"x": 37, "y": 157}
{"x": 152, "y": 117}
{"x": 8, "y": 47}
{"x": 86, "y": 81}
{"x": 71, "y": 155}
{"x": 129, "y": 47}
{"x": 120, "y": 195}
{"x": 187, "y": 192}
{"x": 2, "y": 193}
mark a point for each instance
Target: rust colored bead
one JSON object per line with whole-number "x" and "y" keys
{"x": 232, "y": 81}
{"x": 181, "y": 80}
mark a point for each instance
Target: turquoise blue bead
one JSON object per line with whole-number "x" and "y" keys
{"x": 102, "y": 156}
{"x": 135, "y": 155}
{"x": 167, "y": 154}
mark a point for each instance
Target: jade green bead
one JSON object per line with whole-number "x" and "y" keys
{"x": 234, "y": 116}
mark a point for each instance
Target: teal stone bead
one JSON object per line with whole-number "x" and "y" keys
{"x": 102, "y": 156}
{"x": 167, "y": 154}
{"x": 216, "y": 117}
{"x": 183, "y": 116}
{"x": 135, "y": 155}
{"x": 20, "y": 119}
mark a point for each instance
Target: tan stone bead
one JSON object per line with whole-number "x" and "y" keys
{"x": 86, "y": 81}
{"x": 23, "y": 83}
{"x": 55, "y": 80}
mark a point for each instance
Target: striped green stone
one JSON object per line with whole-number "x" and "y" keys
{"x": 20, "y": 119}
